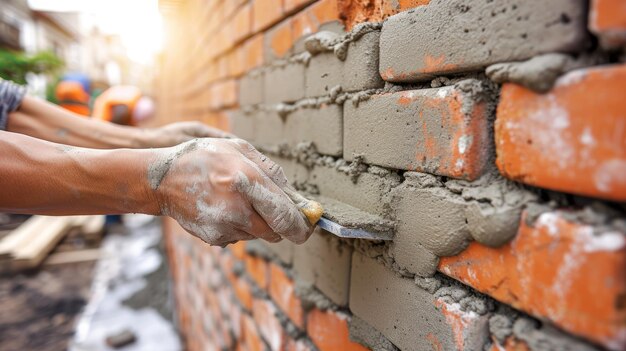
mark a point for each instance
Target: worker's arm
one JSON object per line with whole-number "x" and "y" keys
{"x": 219, "y": 190}
{"x": 43, "y": 120}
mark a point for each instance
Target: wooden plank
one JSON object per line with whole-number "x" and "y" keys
{"x": 22, "y": 235}
{"x": 73, "y": 257}
{"x": 32, "y": 254}
{"x": 93, "y": 226}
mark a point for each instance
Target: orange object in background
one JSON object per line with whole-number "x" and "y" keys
{"x": 116, "y": 104}
{"x": 71, "y": 96}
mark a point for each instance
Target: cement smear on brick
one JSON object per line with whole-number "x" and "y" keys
{"x": 311, "y": 297}
{"x": 541, "y": 72}
{"x": 326, "y": 41}
{"x": 363, "y": 333}
{"x": 538, "y": 74}
{"x": 466, "y": 35}
{"x": 494, "y": 207}
{"x": 352, "y": 217}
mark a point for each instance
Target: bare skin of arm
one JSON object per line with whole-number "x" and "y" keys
{"x": 219, "y": 190}
{"x": 43, "y": 120}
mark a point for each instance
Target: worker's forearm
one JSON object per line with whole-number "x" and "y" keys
{"x": 43, "y": 120}
{"x": 39, "y": 177}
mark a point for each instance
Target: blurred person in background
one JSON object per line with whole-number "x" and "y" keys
{"x": 73, "y": 93}
{"x": 124, "y": 105}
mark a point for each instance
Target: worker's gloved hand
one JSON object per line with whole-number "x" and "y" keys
{"x": 180, "y": 132}
{"x": 224, "y": 190}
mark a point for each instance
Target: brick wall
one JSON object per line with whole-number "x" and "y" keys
{"x": 489, "y": 136}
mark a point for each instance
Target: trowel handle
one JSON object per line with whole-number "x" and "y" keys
{"x": 312, "y": 210}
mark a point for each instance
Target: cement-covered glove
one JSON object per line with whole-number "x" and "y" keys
{"x": 180, "y": 132}
{"x": 224, "y": 190}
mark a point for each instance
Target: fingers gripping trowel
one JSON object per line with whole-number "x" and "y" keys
{"x": 313, "y": 211}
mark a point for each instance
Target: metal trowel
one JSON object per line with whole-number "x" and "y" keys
{"x": 313, "y": 211}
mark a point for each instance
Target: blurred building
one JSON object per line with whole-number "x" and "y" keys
{"x": 76, "y": 39}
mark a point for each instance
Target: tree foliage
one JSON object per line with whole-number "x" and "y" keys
{"x": 15, "y": 65}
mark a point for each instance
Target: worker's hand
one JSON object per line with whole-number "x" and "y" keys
{"x": 224, "y": 190}
{"x": 177, "y": 133}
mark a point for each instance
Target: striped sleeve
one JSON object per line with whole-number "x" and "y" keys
{"x": 11, "y": 96}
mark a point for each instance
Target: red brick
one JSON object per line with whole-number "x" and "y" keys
{"x": 353, "y": 12}
{"x": 557, "y": 270}
{"x": 291, "y": 5}
{"x": 265, "y": 13}
{"x": 249, "y": 334}
{"x": 243, "y": 292}
{"x": 238, "y": 249}
{"x": 243, "y": 22}
{"x": 237, "y": 62}
{"x": 257, "y": 268}
{"x": 329, "y": 331}
{"x": 280, "y": 39}
{"x": 253, "y": 52}
{"x": 264, "y": 314}
{"x": 608, "y": 21}
{"x": 282, "y": 291}
{"x": 428, "y": 130}
{"x": 568, "y": 139}
{"x": 309, "y": 20}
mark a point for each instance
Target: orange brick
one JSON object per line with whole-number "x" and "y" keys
{"x": 265, "y": 13}
{"x": 608, "y": 21}
{"x": 571, "y": 139}
{"x": 264, "y": 314}
{"x": 237, "y": 62}
{"x": 309, "y": 20}
{"x": 353, "y": 12}
{"x": 291, "y": 5}
{"x": 249, "y": 334}
{"x": 253, "y": 52}
{"x": 243, "y": 22}
{"x": 329, "y": 331}
{"x": 238, "y": 249}
{"x": 391, "y": 7}
{"x": 281, "y": 39}
{"x": 282, "y": 291}
{"x": 556, "y": 270}
{"x": 257, "y": 268}
{"x": 243, "y": 292}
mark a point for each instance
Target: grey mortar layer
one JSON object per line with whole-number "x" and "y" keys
{"x": 441, "y": 218}
{"x": 251, "y": 89}
{"x": 507, "y": 322}
{"x": 451, "y": 36}
{"x": 406, "y": 314}
{"x": 324, "y": 261}
{"x": 351, "y": 217}
{"x": 326, "y": 41}
{"x": 284, "y": 82}
{"x": 357, "y": 71}
{"x": 540, "y": 72}
{"x": 363, "y": 333}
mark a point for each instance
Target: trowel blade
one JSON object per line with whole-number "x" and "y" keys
{"x": 351, "y": 233}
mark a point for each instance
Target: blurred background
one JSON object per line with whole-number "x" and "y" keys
{"x": 110, "y": 42}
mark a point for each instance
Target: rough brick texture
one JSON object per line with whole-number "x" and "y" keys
{"x": 461, "y": 36}
{"x": 549, "y": 140}
{"x": 608, "y": 21}
{"x": 506, "y": 206}
{"x": 442, "y": 131}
